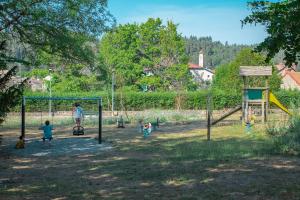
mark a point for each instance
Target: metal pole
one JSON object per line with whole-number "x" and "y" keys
{"x": 100, "y": 122}
{"x": 112, "y": 93}
{"x": 23, "y": 118}
{"x": 50, "y": 101}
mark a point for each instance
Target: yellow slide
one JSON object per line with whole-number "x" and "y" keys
{"x": 274, "y": 100}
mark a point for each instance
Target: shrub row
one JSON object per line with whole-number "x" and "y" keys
{"x": 289, "y": 98}
{"x": 155, "y": 100}
{"x": 286, "y": 137}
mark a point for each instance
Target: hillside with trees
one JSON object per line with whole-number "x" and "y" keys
{"x": 215, "y": 52}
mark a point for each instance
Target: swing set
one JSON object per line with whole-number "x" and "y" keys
{"x": 77, "y": 130}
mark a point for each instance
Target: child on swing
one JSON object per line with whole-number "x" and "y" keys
{"x": 147, "y": 129}
{"x": 47, "y": 131}
{"x": 78, "y": 114}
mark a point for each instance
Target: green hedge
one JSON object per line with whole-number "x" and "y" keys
{"x": 288, "y": 98}
{"x": 155, "y": 100}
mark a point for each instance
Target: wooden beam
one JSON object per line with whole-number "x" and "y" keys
{"x": 227, "y": 115}
{"x": 255, "y": 71}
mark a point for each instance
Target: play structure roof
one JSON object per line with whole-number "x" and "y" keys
{"x": 255, "y": 71}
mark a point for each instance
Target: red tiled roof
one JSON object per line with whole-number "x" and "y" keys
{"x": 147, "y": 69}
{"x": 280, "y": 66}
{"x": 194, "y": 66}
{"x": 294, "y": 75}
{"x": 284, "y": 69}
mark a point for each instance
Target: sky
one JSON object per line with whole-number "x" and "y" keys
{"x": 220, "y": 19}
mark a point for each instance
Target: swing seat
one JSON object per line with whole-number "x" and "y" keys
{"x": 78, "y": 130}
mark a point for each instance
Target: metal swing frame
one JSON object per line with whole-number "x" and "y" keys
{"x": 98, "y": 99}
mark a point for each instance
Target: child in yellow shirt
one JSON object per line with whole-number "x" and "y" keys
{"x": 21, "y": 143}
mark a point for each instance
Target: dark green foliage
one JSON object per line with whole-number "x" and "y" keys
{"x": 59, "y": 27}
{"x": 215, "y": 53}
{"x": 9, "y": 95}
{"x": 282, "y": 22}
{"x": 10, "y": 91}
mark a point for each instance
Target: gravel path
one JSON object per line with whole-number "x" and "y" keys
{"x": 58, "y": 147}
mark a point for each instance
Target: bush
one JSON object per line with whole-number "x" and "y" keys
{"x": 286, "y": 138}
{"x": 130, "y": 100}
{"x": 288, "y": 97}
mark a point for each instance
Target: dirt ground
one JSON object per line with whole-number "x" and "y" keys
{"x": 175, "y": 162}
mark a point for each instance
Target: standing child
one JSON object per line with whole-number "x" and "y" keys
{"x": 250, "y": 120}
{"x": 78, "y": 114}
{"x": 47, "y": 129}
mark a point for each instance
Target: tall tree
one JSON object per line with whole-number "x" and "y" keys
{"x": 58, "y": 27}
{"x": 282, "y": 22}
{"x": 119, "y": 53}
{"x": 227, "y": 76}
{"x": 132, "y": 48}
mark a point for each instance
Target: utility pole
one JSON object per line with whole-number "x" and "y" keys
{"x": 209, "y": 111}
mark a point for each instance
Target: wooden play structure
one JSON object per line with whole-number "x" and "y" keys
{"x": 258, "y": 97}
{"x": 255, "y": 96}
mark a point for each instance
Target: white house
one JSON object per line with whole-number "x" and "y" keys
{"x": 200, "y": 73}
{"x": 37, "y": 84}
{"x": 148, "y": 72}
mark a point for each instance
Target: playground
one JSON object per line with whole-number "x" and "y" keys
{"x": 150, "y": 154}
{"x": 149, "y": 100}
